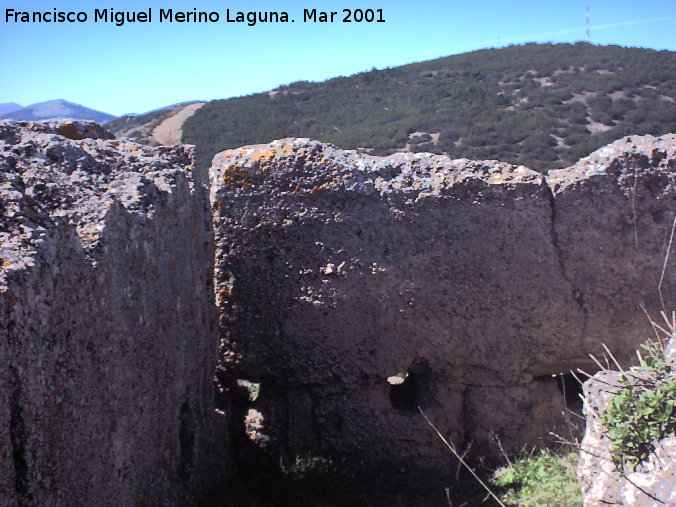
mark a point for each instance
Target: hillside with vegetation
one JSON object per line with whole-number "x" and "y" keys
{"x": 541, "y": 105}
{"x": 141, "y": 127}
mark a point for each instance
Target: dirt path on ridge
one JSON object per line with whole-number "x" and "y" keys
{"x": 170, "y": 130}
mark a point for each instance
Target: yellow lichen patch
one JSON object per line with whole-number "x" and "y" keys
{"x": 235, "y": 176}
{"x": 91, "y": 237}
{"x": 226, "y": 154}
{"x": 223, "y": 295}
{"x": 89, "y": 234}
{"x": 287, "y": 150}
{"x": 263, "y": 155}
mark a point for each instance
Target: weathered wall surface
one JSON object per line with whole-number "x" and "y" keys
{"x": 354, "y": 289}
{"x": 106, "y": 336}
{"x": 614, "y": 215}
{"x": 335, "y": 271}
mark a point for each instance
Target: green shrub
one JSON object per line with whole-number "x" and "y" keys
{"x": 485, "y": 100}
{"x": 643, "y": 411}
{"x": 542, "y": 480}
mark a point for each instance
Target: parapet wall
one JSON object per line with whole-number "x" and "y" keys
{"x": 107, "y": 344}
{"x": 356, "y": 289}
{"x": 350, "y": 290}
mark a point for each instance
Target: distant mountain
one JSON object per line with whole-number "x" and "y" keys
{"x": 57, "y": 109}
{"x": 8, "y": 107}
{"x": 540, "y": 105}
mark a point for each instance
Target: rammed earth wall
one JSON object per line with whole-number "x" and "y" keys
{"x": 107, "y": 343}
{"x": 472, "y": 282}
{"x": 352, "y": 289}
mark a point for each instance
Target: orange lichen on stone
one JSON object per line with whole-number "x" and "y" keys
{"x": 235, "y": 176}
{"x": 70, "y": 131}
{"x": 262, "y": 155}
{"x": 287, "y": 150}
{"x": 318, "y": 189}
{"x": 89, "y": 233}
{"x": 5, "y": 262}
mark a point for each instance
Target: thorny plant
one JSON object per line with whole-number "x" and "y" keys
{"x": 643, "y": 408}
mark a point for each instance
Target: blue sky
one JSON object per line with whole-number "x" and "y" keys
{"x": 139, "y": 67}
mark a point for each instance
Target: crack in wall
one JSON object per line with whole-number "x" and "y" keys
{"x": 467, "y": 426}
{"x": 576, "y": 293}
{"x": 17, "y": 432}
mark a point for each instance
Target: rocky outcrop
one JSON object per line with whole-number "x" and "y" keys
{"x": 106, "y": 336}
{"x": 356, "y": 289}
{"x": 650, "y": 484}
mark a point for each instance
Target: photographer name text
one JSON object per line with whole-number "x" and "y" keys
{"x": 150, "y": 15}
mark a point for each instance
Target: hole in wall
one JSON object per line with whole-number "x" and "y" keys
{"x": 569, "y": 388}
{"x": 410, "y": 388}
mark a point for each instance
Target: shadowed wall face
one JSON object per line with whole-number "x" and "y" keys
{"x": 466, "y": 284}
{"x": 107, "y": 344}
